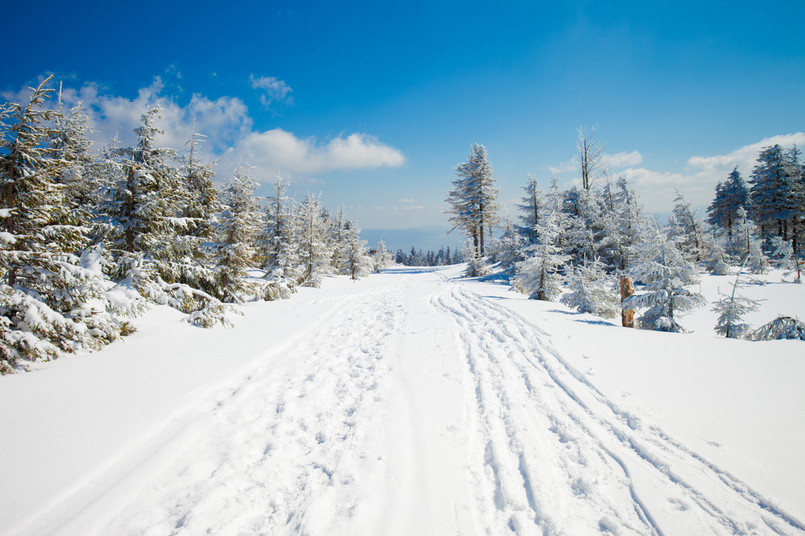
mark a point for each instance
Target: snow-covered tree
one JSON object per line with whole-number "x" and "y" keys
{"x": 382, "y": 258}
{"x": 591, "y": 290}
{"x": 142, "y": 207}
{"x": 237, "y": 229}
{"x": 731, "y": 310}
{"x": 731, "y": 195}
{"x": 624, "y": 227}
{"x": 686, "y": 231}
{"x": 664, "y": 273}
{"x": 508, "y": 249}
{"x": 315, "y": 253}
{"x": 355, "y": 260}
{"x": 538, "y": 275}
{"x": 49, "y": 301}
{"x": 473, "y": 199}
{"x": 280, "y": 256}
{"x": 783, "y": 254}
{"x": 198, "y": 206}
{"x": 777, "y": 192}
{"x": 590, "y": 156}
{"x": 531, "y": 206}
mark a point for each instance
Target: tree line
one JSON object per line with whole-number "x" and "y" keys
{"x": 575, "y": 244}
{"x": 89, "y": 239}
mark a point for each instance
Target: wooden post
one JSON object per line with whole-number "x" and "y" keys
{"x": 627, "y": 289}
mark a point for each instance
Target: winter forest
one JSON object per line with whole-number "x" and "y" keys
{"x": 89, "y": 239}
{"x": 577, "y": 245}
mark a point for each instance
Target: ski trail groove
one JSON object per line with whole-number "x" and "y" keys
{"x": 284, "y": 451}
{"x": 604, "y": 451}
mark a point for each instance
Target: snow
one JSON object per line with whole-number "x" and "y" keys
{"x": 413, "y": 402}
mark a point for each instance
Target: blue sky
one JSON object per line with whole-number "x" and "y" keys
{"x": 373, "y": 104}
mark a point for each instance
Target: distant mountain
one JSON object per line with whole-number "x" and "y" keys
{"x": 424, "y": 238}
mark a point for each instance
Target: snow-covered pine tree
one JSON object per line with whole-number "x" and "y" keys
{"x": 731, "y": 310}
{"x": 538, "y": 275}
{"x": 315, "y": 253}
{"x": 142, "y": 208}
{"x": 731, "y": 195}
{"x": 49, "y": 301}
{"x": 775, "y": 193}
{"x": 473, "y": 199}
{"x": 783, "y": 255}
{"x": 686, "y": 231}
{"x": 591, "y": 290}
{"x": 508, "y": 249}
{"x": 624, "y": 228}
{"x": 663, "y": 273}
{"x": 70, "y": 143}
{"x": 355, "y": 260}
{"x": 198, "y": 205}
{"x": 279, "y": 244}
{"x": 718, "y": 261}
{"x": 382, "y": 258}
{"x": 531, "y": 206}
{"x": 237, "y": 227}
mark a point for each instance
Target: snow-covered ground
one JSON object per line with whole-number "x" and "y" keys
{"x": 412, "y": 402}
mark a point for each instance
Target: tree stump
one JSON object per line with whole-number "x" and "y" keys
{"x": 627, "y": 289}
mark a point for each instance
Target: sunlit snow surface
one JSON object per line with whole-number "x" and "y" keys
{"x": 413, "y": 402}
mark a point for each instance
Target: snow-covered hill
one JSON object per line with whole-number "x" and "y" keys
{"x": 410, "y": 402}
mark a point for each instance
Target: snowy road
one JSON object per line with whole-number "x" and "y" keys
{"x": 413, "y": 407}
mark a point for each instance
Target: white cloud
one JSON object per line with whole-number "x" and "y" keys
{"x": 745, "y": 157}
{"x": 698, "y": 182}
{"x": 228, "y": 129}
{"x": 621, "y": 160}
{"x": 407, "y": 200}
{"x": 278, "y": 149}
{"x": 275, "y": 90}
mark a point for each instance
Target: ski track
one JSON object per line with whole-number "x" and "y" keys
{"x": 301, "y": 445}
{"x": 284, "y": 454}
{"x": 597, "y": 464}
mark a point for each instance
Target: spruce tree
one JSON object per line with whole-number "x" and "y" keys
{"x": 315, "y": 253}
{"x": 473, "y": 199}
{"x": 236, "y": 252}
{"x": 663, "y": 273}
{"x": 731, "y": 195}
{"x": 49, "y": 301}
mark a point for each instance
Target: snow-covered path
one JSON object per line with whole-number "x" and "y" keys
{"x": 417, "y": 406}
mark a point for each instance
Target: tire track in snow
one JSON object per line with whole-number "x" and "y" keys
{"x": 671, "y": 489}
{"x": 284, "y": 451}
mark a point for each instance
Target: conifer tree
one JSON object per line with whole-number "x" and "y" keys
{"x": 355, "y": 260}
{"x": 731, "y": 310}
{"x": 731, "y": 195}
{"x": 473, "y": 200}
{"x": 280, "y": 244}
{"x": 49, "y": 301}
{"x": 382, "y": 258}
{"x": 143, "y": 209}
{"x": 237, "y": 228}
{"x": 591, "y": 290}
{"x": 315, "y": 253}
{"x": 531, "y": 205}
{"x": 686, "y": 231}
{"x": 538, "y": 275}
{"x": 663, "y": 273}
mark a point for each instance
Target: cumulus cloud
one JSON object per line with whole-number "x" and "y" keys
{"x": 621, "y": 160}
{"x": 278, "y": 149}
{"x": 698, "y": 181}
{"x": 228, "y": 129}
{"x": 274, "y": 90}
{"x": 745, "y": 157}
